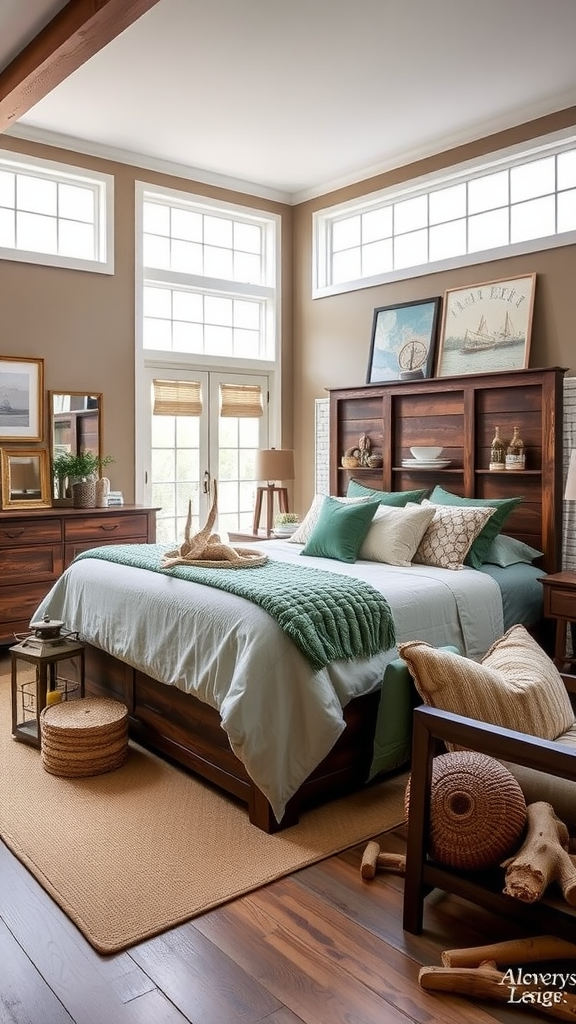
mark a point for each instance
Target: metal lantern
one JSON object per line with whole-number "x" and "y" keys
{"x": 47, "y": 666}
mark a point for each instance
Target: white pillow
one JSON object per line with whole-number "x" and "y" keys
{"x": 395, "y": 534}
{"x": 451, "y": 534}
{"x": 304, "y": 531}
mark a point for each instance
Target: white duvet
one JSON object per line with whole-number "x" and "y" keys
{"x": 281, "y": 717}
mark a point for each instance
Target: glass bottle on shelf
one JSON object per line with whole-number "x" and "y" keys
{"x": 515, "y": 453}
{"x": 497, "y": 451}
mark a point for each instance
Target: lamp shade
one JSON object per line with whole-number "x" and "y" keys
{"x": 274, "y": 464}
{"x": 570, "y": 489}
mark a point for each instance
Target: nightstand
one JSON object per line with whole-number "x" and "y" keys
{"x": 244, "y": 536}
{"x": 560, "y": 604}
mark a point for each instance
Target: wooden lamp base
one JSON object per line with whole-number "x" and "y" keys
{"x": 269, "y": 491}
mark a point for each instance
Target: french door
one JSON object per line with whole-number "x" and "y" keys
{"x": 200, "y": 427}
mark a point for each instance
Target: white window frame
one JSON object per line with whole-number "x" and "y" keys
{"x": 102, "y": 186}
{"x": 323, "y": 220}
{"x": 172, "y": 360}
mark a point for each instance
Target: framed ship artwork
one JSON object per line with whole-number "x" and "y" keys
{"x": 486, "y": 327}
{"x": 403, "y": 341}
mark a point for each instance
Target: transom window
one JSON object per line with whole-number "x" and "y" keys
{"x": 55, "y": 214}
{"x": 519, "y": 201}
{"x": 209, "y": 278}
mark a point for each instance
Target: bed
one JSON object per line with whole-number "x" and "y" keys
{"x": 246, "y": 709}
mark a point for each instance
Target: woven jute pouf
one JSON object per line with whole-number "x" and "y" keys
{"x": 84, "y": 737}
{"x": 477, "y": 810}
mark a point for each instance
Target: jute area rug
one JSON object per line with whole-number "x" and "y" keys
{"x": 143, "y": 848}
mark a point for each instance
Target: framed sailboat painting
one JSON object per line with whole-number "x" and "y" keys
{"x": 486, "y": 327}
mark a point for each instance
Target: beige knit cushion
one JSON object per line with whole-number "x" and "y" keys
{"x": 516, "y": 685}
{"x": 451, "y": 534}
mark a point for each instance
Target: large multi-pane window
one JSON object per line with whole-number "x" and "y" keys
{"x": 510, "y": 203}
{"x": 207, "y": 327}
{"x": 209, "y": 279}
{"x": 55, "y": 214}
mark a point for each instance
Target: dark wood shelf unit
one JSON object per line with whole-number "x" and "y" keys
{"x": 460, "y": 413}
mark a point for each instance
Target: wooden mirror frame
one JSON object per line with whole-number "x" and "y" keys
{"x": 12, "y": 457}
{"x": 75, "y": 414}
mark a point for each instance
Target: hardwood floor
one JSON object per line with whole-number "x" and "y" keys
{"x": 319, "y": 947}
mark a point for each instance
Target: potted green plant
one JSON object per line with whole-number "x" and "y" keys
{"x": 286, "y": 523}
{"x": 79, "y": 469}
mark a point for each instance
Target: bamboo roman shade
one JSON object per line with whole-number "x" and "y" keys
{"x": 242, "y": 400}
{"x": 177, "y": 398}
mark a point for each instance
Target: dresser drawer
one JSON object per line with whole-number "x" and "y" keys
{"x": 111, "y": 529}
{"x": 71, "y": 550}
{"x": 29, "y": 531}
{"x": 20, "y": 564}
{"x": 561, "y": 604}
{"x": 18, "y": 604}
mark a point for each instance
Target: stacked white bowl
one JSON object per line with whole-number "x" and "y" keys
{"x": 426, "y": 453}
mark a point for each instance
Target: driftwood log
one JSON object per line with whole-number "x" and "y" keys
{"x": 487, "y": 982}
{"x": 543, "y": 858}
{"x": 374, "y": 860}
{"x": 512, "y": 951}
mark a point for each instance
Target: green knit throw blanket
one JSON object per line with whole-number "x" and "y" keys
{"x": 329, "y": 617}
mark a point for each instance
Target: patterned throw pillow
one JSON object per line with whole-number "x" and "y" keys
{"x": 304, "y": 531}
{"x": 502, "y": 508}
{"x": 450, "y": 534}
{"x": 516, "y": 685}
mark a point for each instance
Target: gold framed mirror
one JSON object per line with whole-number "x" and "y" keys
{"x": 75, "y": 421}
{"x": 25, "y": 478}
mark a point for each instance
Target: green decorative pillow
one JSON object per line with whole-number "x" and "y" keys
{"x": 503, "y": 506}
{"x": 304, "y": 532}
{"x": 340, "y": 530}
{"x": 505, "y": 551}
{"x": 396, "y": 498}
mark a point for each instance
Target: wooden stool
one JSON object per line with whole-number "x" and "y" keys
{"x": 84, "y": 737}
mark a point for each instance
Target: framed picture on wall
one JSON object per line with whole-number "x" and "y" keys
{"x": 403, "y": 341}
{"x": 21, "y": 399}
{"x": 25, "y": 478}
{"x": 487, "y": 327}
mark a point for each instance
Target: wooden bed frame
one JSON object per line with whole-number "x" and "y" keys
{"x": 459, "y": 413}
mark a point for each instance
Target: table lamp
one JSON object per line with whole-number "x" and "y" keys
{"x": 272, "y": 464}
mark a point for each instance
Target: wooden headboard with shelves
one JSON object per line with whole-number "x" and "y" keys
{"x": 460, "y": 413}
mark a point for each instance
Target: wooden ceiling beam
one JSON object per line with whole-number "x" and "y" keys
{"x": 76, "y": 33}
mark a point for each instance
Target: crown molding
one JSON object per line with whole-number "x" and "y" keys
{"x": 123, "y": 156}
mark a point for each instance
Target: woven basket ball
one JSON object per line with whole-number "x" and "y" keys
{"x": 477, "y": 810}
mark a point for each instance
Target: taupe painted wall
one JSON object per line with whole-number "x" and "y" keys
{"x": 332, "y": 334}
{"x": 82, "y": 324}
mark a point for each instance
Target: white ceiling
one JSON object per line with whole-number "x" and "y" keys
{"x": 290, "y": 98}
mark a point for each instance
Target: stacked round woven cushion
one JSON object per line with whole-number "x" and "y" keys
{"x": 84, "y": 737}
{"x": 477, "y": 810}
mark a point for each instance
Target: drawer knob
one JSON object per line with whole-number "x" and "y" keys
{"x": 109, "y": 527}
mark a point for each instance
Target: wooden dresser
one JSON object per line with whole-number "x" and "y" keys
{"x": 36, "y": 545}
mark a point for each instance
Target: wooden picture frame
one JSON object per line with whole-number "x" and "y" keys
{"x": 486, "y": 327}
{"x": 21, "y": 399}
{"x": 25, "y": 478}
{"x": 403, "y": 341}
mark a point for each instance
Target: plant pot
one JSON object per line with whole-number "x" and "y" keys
{"x": 84, "y": 494}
